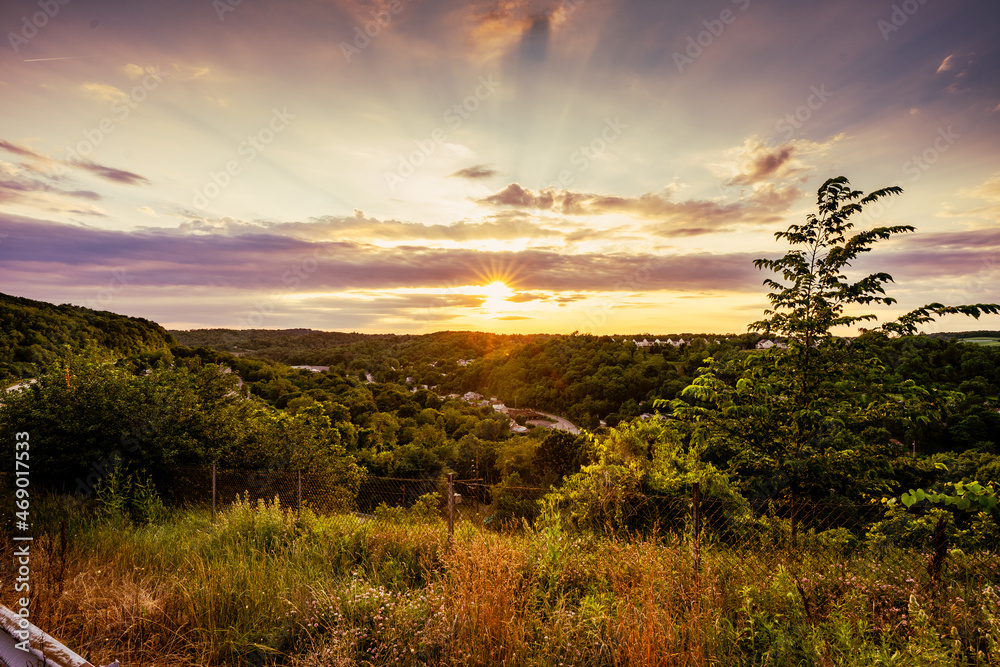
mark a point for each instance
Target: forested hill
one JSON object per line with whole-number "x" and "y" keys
{"x": 35, "y": 333}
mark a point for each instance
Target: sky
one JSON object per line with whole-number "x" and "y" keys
{"x": 516, "y": 166}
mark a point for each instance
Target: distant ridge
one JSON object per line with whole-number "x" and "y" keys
{"x": 33, "y": 334}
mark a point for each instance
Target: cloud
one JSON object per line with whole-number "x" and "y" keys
{"x": 22, "y": 151}
{"x": 988, "y": 190}
{"x": 73, "y": 255}
{"x": 134, "y": 71}
{"x": 946, "y": 64}
{"x": 758, "y": 161}
{"x": 103, "y": 92}
{"x": 988, "y": 195}
{"x": 477, "y": 172}
{"x": 917, "y": 258}
{"x": 763, "y": 166}
{"x": 663, "y": 216}
{"x": 524, "y": 297}
{"x": 109, "y": 173}
{"x": 18, "y": 188}
{"x": 361, "y": 228}
{"x": 955, "y": 72}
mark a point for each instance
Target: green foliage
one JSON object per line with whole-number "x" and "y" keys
{"x": 91, "y": 415}
{"x": 602, "y": 496}
{"x": 969, "y": 509}
{"x": 123, "y": 498}
{"x": 972, "y": 496}
{"x": 560, "y": 453}
{"x": 264, "y": 526}
{"x": 426, "y": 509}
{"x": 512, "y": 502}
{"x": 798, "y": 418}
{"x": 35, "y": 334}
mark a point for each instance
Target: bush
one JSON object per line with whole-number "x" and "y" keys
{"x": 123, "y": 497}
{"x": 268, "y": 527}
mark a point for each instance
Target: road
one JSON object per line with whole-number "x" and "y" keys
{"x": 561, "y": 424}
{"x": 22, "y": 385}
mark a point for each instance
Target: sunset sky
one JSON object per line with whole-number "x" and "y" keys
{"x": 515, "y": 166}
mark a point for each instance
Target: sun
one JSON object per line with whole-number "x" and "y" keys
{"x": 496, "y": 293}
{"x": 497, "y": 290}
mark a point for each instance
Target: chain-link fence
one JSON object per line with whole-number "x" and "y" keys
{"x": 772, "y": 529}
{"x": 766, "y": 534}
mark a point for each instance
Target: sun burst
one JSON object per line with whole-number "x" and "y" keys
{"x": 496, "y": 293}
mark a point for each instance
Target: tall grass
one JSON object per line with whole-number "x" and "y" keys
{"x": 261, "y": 585}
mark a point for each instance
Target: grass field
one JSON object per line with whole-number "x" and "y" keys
{"x": 988, "y": 342}
{"x": 260, "y": 585}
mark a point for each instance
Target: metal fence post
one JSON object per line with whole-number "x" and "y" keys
{"x": 451, "y": 509}
{"x": 213, "y": 491}
{"x": 299, "y": 497}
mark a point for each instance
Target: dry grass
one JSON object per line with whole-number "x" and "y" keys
{"x": 264, "y": 586}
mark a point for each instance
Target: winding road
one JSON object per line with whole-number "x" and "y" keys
{"x": 561, "y": 424}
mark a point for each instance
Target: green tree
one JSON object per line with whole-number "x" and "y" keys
{"x": 790, "y": 421}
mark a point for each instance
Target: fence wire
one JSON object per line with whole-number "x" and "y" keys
{"x": 768, "y": 528}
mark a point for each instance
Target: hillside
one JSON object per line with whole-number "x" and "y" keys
{"x": 35, "y": 333}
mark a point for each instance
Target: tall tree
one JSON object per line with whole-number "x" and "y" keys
{"x": 793, "y": 421}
